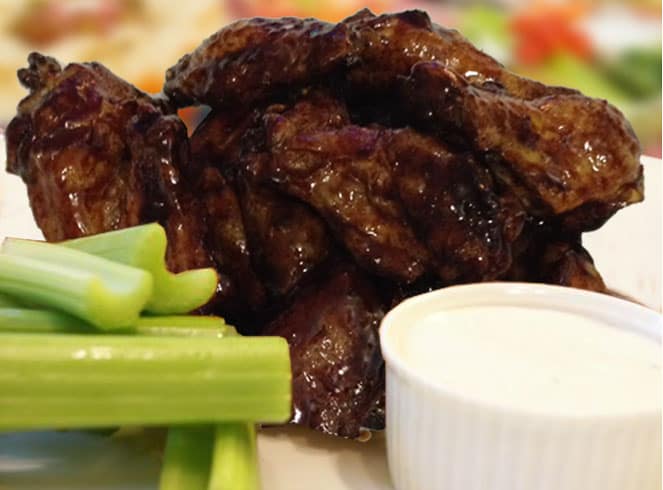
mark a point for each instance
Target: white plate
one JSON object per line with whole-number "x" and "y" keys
{"x": 627, "y": 251}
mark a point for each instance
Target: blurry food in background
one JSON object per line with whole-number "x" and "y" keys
{"x": 44, "y": 22}
{"x": 541, "y": 32}
{"x": 137, "y": 39}
{"x": 331, "y": 11}
{"x": 610, "y": 50}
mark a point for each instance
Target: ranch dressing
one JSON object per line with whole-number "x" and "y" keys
{"x": 536, "y": 360}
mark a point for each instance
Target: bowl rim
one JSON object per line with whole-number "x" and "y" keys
{"x": 616, "y": 312}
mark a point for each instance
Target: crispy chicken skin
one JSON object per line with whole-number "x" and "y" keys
{"x": 342, "y": 168}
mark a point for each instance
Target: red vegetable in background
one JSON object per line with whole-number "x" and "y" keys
{"x": 544, "y": 31}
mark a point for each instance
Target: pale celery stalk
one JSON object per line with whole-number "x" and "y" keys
{"x": 144, "y": 246}
{"x": 235, "y": 459}
{"x": 99, "y": 291}
{"x": 187, "y": 458}
{"x": 24, "y": 320}
{"x": 82, "y": 381}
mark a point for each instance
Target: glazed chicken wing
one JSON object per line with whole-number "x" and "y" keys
{"x": 337, "y": 368}
{"x": 545, "y": 254}
{"x": 98, "y": 155}
{"x": 556, "y": 153}
{"x": 281, "y": 239}
{"x": 400, "y": 203}
{"x": 385, "y": 47}
{"x": 344, "y": 174}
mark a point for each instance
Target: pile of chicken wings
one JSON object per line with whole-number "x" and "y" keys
{"x": 341, "y": 168}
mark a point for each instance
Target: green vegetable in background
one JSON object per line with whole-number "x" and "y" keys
{"x": 144, "y": 247}
{"x": 487, "y": 28}
{"x": 184, "y": 326}
{"x": 637, "y": 72}
{"x": 568, "y": 71}
{"x": 106, "y": 294}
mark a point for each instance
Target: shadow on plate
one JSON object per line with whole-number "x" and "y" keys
{"x": 77, "y": 461}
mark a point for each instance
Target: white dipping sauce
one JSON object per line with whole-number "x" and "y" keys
{"x": 536, "y": 359}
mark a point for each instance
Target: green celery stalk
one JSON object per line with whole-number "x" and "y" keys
{"x": 184, "y": 326}
{"x": 41, "y": 321}
{"x": 23, "y": 320}
{"x": 9, "y": 302}
{"x": 187, "y": 458}
{"x": 235, "y": 458}
{"x": 83, "y": 381}
{"x": 144, "y": 247}
{"x": 99, "y": 291}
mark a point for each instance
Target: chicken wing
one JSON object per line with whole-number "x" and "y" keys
{"x": 337, "y": 368}
{"x": 98, "y": 155}
{"x": 282, "y": 239}
{"x": 401, "y": 203}
{"x": 556, "y": 153}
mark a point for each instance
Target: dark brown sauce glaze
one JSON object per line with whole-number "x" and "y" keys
{"x": 338, "y": 371}
{"x": 97, "y": 155}
{"x": 251, "y": 59}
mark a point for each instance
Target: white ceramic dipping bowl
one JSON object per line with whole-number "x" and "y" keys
{"x": 443, "y": 437}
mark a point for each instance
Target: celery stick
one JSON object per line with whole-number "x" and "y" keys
{"x": 144, "y": 247}
{"x": 235, "y": 458}
{"x": 23, "y": 320}
{"x": 41, "y": 321}
{"x": 80, "y": 381}
{"x": 188, "y": 455}
{"x": 99, "y": 291}
{"x": 184, "y": 326}
{"x": 9, "y": 302}
{"x": 187, "y": 458}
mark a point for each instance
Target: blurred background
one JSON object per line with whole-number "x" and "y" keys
{"x": 607, "y": 49}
